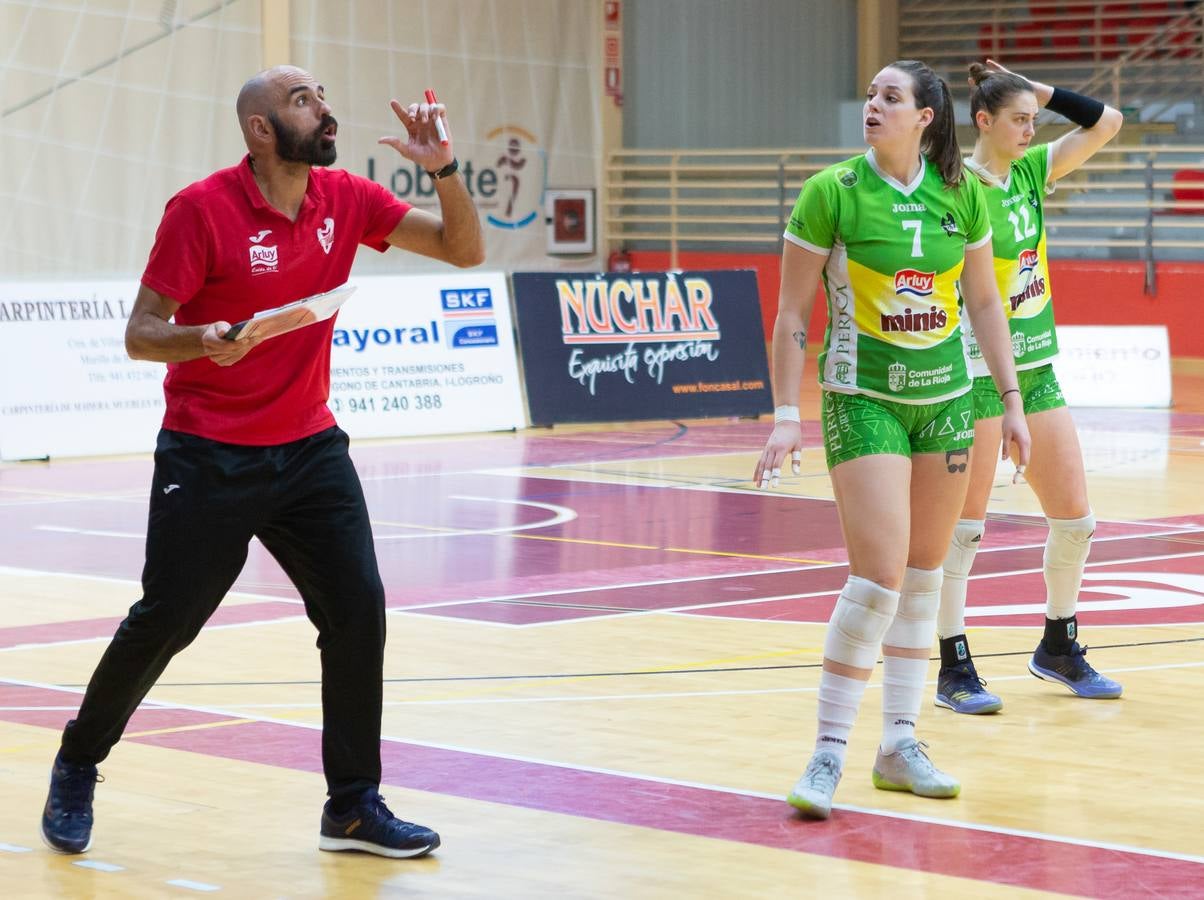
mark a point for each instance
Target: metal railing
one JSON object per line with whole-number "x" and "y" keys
{"x": 1119, "y": 205}
{"x": 1145, "y": 56}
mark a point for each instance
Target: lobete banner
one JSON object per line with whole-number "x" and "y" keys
{"x": 614, "y": 347}
{"x": 410, "y": 355}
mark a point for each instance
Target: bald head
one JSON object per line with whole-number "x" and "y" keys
{"x": 263, "y": 93}
{"x": 282, "y": 112}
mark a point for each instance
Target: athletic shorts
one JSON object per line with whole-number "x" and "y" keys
{"x": 1039, "y": 389}
{"x": 856, "y": 425}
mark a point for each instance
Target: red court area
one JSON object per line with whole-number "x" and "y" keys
{"x": 540, "y": 528}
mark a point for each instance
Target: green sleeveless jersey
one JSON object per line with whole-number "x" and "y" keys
{"x": 1017, "y": 211}
{"x": 895, "y": 253}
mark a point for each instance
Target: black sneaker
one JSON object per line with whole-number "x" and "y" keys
{"x": 67, "y": 817}
{"x": 369, "y": 826}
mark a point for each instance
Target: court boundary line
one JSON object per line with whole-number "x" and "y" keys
{"x": 605, "y": 698}
{"x": 658, "y": 779}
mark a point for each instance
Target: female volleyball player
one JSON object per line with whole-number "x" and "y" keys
{"x": 1016, "y": 176}
{"x": 892, "y": 232}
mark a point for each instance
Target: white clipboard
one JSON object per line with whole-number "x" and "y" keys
{"x": 281, "y": 319}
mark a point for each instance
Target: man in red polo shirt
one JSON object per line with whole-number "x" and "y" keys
{"x": 249, "y": 447}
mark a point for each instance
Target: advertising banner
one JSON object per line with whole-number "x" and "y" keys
{"x": 425, "y": 354}
{"x": 67, "y": 387}
{"x": 614, "y": 347}
{"x": 1114, "y": 365}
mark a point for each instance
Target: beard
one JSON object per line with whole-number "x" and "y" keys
{"x": 292, "y": 146}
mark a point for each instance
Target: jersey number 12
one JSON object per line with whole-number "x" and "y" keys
{"x": 1030, "y": 227}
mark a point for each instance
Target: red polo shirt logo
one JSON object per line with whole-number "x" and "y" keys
{"x": 264, "y": 259}
{"x": 326, "y": 235}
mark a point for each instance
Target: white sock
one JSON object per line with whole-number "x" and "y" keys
{"x": 967, "y": 538}
{"x": 903, "y": 676}
{"x": 839, "y": 699}
{"x": 902, "y": 693}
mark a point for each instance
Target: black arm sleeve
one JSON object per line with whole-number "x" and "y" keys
{"x": 1082, "y": 111}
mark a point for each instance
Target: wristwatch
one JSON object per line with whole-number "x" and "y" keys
{"x": 450, "y": 169}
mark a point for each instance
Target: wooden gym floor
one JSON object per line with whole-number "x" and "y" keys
{"x": 600, "y": 682}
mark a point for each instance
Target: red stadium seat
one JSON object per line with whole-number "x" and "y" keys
{"x": 1072, "y": 38}
{"x": 1156, "y": 15}
{"x": 1113, "y": 16}
{"x": 991, "y": 40}
{"x": 1188, "y": 185}
{"x": 1189, "y": 41}
{"x": 1030, "y": 41}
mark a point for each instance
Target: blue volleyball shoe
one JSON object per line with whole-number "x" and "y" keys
{"x": 960, "y": 689}
{"x": 1073, "y": 670}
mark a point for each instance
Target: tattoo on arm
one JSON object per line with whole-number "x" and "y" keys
{"x": 955, "y": 467}
{"x": 800, "y": 338}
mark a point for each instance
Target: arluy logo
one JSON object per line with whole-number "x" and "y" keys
{"x": 1029, "y": 259}
{"x": 263, "y": 259}
{"x": 915, "y": 282}
{"x": 326, "y": 235}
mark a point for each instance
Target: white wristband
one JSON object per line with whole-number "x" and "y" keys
{"x": 786, "y": 414}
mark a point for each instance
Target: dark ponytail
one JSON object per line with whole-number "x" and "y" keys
{"x": 938, "y": 143}
{"x": 991, "y": 90}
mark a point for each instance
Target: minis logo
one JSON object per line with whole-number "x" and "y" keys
{"x": 1029, "y": 260}
{"x": 914, "y": 282}
{"x": 932, "y": 320}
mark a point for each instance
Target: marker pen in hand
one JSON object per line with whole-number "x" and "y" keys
{"x": 430, "y": 98}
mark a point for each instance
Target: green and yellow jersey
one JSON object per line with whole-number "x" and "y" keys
{"x": 1017, "y": 211}
{"x": 895, "y": 253}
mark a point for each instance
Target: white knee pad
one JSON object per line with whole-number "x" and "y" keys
{"x": 967, "y": 537}
{"x": 1069, "y": 541}
{"x": 1066, "y": 551}
{"x": 919, "y": 599}
{"x": 863, "y": 612}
